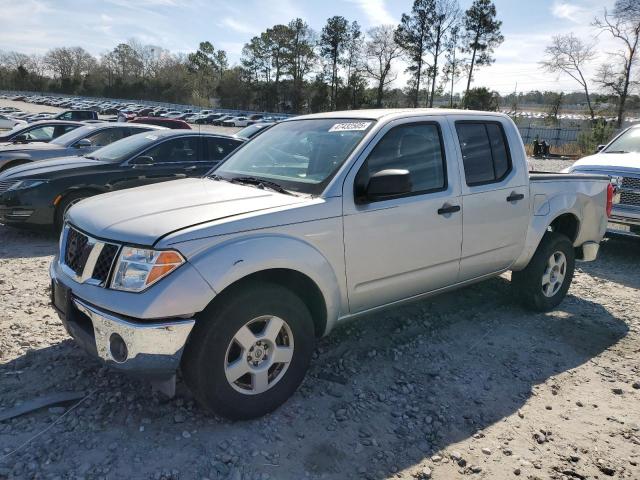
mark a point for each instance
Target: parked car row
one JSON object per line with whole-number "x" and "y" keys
{"x": 126, "y": 111}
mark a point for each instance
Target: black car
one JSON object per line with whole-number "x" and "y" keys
{"x": 38, "y": 194}
{"x": 42, "y": 131}
{"x": 79, "y": 141}
{"x": 78, "y": 115}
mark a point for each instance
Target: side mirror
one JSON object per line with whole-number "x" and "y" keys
{"x": 141, "y": 161}
{"x": 387, "y": 184}
{"x": 599, "y": 147}
{"x": 22, "y": 138}
{"x": 84, "y": 143}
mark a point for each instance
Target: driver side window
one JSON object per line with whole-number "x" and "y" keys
{"x": 416, "y": 148}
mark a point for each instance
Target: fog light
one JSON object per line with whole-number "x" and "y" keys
{"x": 118, "y": 348}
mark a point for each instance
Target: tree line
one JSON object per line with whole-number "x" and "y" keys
{"x": 288, "y": 67}
{"x": 292, "y": 68}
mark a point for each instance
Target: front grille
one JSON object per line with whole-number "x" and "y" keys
{"x": 7, "y": 184}
{"x": 105, "y": 262}
{"x": 76, "y": 252}
{"x": 85, "y": 258}
{"x": 630, "y": 191}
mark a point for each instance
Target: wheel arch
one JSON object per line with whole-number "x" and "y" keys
{"x": 276, "y": 258}
{"x": 299, "y": 283}
{"x": 565, "y": 222}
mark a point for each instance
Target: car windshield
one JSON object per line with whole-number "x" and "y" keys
{"x": 629, "y": 141}
{"x": 73, "y": 136}
{"x": 123, "y": 149}
{"x": 299, "y": 155}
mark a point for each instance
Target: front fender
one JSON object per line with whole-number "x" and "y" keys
{"x": 237, "y": 258}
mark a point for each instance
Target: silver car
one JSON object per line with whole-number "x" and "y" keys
{"x": 80, "y": 141}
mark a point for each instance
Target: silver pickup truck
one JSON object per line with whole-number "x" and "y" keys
{"x": 320, "y": 219}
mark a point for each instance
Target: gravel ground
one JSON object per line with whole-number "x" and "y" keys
{"x": 464, "y": 385}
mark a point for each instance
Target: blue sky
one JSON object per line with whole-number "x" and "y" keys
{"x": 34, "y": 26}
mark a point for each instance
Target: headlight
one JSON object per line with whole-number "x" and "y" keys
{"x": 139, "y": 268}
{"x": 22, "y": 184}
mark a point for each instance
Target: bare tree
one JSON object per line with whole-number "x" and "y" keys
{"x": 381, "y": 50}
{"x": 445, "y": 17}
{"x": 624, "y": 25}
{"x": 568, "y": 54}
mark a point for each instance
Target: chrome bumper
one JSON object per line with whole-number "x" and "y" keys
{"x": 153, "y": 349}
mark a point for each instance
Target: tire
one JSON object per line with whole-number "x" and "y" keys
{"x": 226, "y": 364}
{"x": 544, "y": 283}
{"x": 65, "y": 204}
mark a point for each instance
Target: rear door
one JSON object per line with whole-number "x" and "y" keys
{"x": 401, "y": 247}
{"x": 495, "y": 195}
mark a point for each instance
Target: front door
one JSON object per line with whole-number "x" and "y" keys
{"x": 402, "y": 247}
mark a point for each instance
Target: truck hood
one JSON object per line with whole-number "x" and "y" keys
{"x": 141, "y": 216}
{"x": 609, "y": 162}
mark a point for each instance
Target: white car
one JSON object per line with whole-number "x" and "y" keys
{"x": 236, "y": 122}
{"x": 7, "y": 123}
{"x": 620, "y": 160}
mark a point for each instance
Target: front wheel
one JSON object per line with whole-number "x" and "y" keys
{"x": 544, "y": 283}
{"x": 248, "y": 354}
{"x": 63, "y": 207}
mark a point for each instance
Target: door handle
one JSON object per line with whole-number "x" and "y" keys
{"x": 446, "y": 208}
{"x": 514, "y": 197}
{"x": 190, "y": 169}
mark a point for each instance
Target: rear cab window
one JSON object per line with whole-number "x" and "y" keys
{"x": 485, "y": 151}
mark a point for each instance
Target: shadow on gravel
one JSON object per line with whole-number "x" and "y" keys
{"x": 618, "y": 261}
{"x": 17, "y": 243}
{"x": 384, "y": 394}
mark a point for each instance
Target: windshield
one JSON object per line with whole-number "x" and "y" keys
{"x": 629, "y": 141}
{"x": 299, "y": 155}
{"x": 73, "y": 136}
{"x": 123, "y": 149}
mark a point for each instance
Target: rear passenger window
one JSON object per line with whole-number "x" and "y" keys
{"x": 218, "y": 148}
{"x": 413, "y": 147}
{"x": 484, "y": 152}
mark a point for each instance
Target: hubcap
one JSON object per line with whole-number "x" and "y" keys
{"x": 554, "y": 274}
{"x": 259, "y": 355}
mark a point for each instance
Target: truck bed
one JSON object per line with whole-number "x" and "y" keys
{"x": 542, "y": 176}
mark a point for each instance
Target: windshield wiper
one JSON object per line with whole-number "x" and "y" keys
{"x": 616, "y": 151}
{"x": 90, "y": 157}
{"x": 261, "y": 183}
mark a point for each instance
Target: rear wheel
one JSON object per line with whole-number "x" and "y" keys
{"x": 545, "y": 281}
{"x": 248, "y": 354}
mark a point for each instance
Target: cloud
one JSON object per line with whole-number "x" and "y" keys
{"x": 375, "y": 11}
{"x": 569, "y": 11}
{"x": 237, "y": 26}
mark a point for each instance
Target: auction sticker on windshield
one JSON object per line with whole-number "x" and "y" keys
{"x": 350, "y": 127}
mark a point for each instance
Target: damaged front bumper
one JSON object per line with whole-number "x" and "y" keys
{"x": 151, "y": 349}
